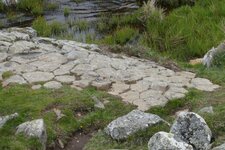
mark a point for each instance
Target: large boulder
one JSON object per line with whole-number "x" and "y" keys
{"x": 134, "y": 121}
{"x": 210, "y": 56}
{"x": 221, "y": 147}
{"x": 35, "y": 128}
{"x": 4, "y": 119}
{"x": 192, "y": 129}
{"x": 166, "y": 141}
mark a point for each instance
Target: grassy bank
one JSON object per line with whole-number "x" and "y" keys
{"x": 37, "y": 104}
{"x": 183, "y": 33}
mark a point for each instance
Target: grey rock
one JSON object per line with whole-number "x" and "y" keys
{"x": 98, "y": 103}
{"x": 53, "y": 85}
{"x": 36, "y": 87}
{"x": 208, "y": 110}
{"x": 203, "y": 84}
{"x": 27, "y": 30}
{"x": 58, "y": 113}
{"x": 192, "y": 129}
{"x": 3, "y": 57}
{"x": 65, "y": 79}
{"x": 22, "y": 47}
{"x": 127, "y": 125}
{"x": 4, "y": 119}
{"x": 221, "y": 147}
{"x": 35, "y": 128}
{"x": 38, "y": 76}
{"x": 14, "y": 79}
{"x": 210, "y": 55}
{"x": 166, "y": 141}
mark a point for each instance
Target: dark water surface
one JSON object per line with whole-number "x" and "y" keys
{"x": 86, "y": 11}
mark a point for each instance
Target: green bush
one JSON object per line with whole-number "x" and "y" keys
{"x": 66, "y": 12}
{"x": 32, "y": 6}
{"x": 121, "y": 36}
{"x": 42, "y": 27}
{"x": 45, "y": 29}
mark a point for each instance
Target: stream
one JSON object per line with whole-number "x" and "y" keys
{"x": 87, "y": 12}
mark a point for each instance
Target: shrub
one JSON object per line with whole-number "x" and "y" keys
{"x": 121, "y": 36}
{"x": 66, "y": 12}
{"x": 42, "y": 27}
{"x": 32, "y": 6}
{"x": 57, "y": 28}
{"x": 45, "y": 29}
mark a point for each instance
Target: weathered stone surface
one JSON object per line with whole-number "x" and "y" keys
{"x": 210, "y": 55}
{"x": 22, "y": 47}
{"x": 205, "y": 110}
{"x": 175, "y": 93}
{"x": 38, "y": 76}
{"x": 65, "y": 79}
{"x": 36, "y": 87}
{"x": 3, "y": 57}
{"x": 203, "y": 84}
{"x": 35, "y": 128}
{"x": 221, "y": 147}
{"x": 98, "y": 103}
{"x": 118, "y": 88}
{"x": 81, "y": 83}
{"x": 192, "y": 129}
{"x": 53, "y": 85}
{"x": 14, "y": 79}
{"x": 102, "y": 85}
{"x": 166, "y": 141}
{"x": 134, "y": 121}
{"x": 138, "y": 81}
{"x": 4, "y": 119}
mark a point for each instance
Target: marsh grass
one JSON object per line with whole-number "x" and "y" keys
{"x": 66, "y": 11}
{"x": 48, "y": 29}
{"x": 121, "y": 36}
{"x": 35, "y": 7}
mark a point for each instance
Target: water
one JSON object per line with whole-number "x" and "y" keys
{"x": 87, "y": 11}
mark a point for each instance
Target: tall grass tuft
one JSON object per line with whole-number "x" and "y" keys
{"x": 188, "y": 32}
{"x": 32, "y": 6}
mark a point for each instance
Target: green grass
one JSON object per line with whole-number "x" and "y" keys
{"x": 35, "y": 7}
{"x": 121, "y": 36}
{"x": 182, "y": 34}
{"x": 37, "y": 104}
{"x": 7, "y": 74}
{"x": 194, "y": 101}
{"x": 66, "y": 12}
{"x": 48, "y": 29}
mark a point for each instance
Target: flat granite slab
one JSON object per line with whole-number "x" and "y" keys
{"x": 138, "y": 81}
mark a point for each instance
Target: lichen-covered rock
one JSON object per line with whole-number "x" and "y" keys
{"x": 208, "y": 110}
{"x": 4, "y": 119}
{"x": 192, "y": 129}
{"x": 210, "y": 55}
{"x": 35, "y": 128}
{"x": 166, "y": 141}
{"x": 134, "y": 121}
{"x": 221, "y": 147}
